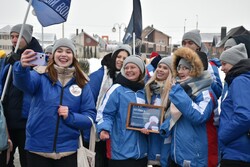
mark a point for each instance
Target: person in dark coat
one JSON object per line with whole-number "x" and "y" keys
{"x": 16, "y": 104}
{"x": 235, "y": 40}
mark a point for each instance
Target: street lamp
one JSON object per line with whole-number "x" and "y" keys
{"x": 197, "y": 22}
{"x": 119, "y": 26}
{"x": 185, "y": 25}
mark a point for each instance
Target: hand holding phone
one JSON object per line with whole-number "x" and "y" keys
{"x": 41, "y": 59}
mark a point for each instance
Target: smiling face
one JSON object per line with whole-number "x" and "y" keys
{"x": 122, "y": 55}
{"x": 63, "y": 56}
{"x": 162, "y": 72}
{"x": 183, "y": 72}
{"x": 132, "y": 72}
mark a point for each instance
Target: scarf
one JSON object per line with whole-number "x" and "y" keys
{"x": 192, "y": 86}
{"x": 243, "y": 66}
{"x": 133, "y": 85}
{"x": 64, "y": 74}
{"x": 106, "y": 84}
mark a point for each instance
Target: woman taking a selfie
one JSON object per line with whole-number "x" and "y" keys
{"x": 62, "y": 104}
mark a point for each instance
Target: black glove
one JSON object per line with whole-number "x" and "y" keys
{"x": 155, "y": 88}
{"x": 155, "y": 61}
{"x": 12, "y": 58}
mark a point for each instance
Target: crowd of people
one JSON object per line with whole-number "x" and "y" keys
{"x": 47, "y": 107}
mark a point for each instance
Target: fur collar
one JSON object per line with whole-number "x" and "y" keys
{"x": 191, "y": 57}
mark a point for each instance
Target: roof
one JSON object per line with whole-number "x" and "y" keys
{"x": 149, "y": 29}
{"x": 91, "y": 37}
{"x": 208, "y": 37}
{"x": 5, "y": 29}
{"x": 46, "y": 36}
{"x": 84, "y": 33}
{"x": 234, "y": 31}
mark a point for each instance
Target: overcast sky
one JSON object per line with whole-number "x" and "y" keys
{"x": 168, "y": 16}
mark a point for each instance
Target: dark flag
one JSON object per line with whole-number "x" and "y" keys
{"x": 135, "y": 24}
{"x": 51, "y": 12}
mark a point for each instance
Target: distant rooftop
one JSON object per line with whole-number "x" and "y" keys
{"x": 5, "y": 29}
{"x": 208, "y": 37}
{"x": 46, "y": 36}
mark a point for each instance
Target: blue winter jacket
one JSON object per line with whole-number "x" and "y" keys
{"x": 190, "y": 134}
{"x": 112, "y": 115}
{"x": 213, "y": 66}
{"x": 158, "y": 147}
{"x": 43, "y": 114}
{"x": 235, "y": 120}
{"x": 96, "y": 82}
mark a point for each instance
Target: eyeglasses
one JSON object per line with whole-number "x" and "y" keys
{"x": 185, "y": 42}
{"x": 183, "y": 68}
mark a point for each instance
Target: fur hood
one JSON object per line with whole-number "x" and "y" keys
{"x": 191, "y": 57}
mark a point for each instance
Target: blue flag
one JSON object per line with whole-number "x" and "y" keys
{"x": 51, "y": 12}
{"x": 135, "y": 23}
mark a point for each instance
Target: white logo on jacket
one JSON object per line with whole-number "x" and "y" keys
{"x": 75, "y": 90}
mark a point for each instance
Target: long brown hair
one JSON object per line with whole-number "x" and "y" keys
{"x": 81, "y": 80}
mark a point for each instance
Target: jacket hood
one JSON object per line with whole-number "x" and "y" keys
{"x": 243, "y": 38}
{"x": 191, "y": 57}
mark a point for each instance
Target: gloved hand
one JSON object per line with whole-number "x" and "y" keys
{"x": 13, "y": 58}
{"x": 155, "y": 61}
{"x": 155, "y": 88}
{"x": 165, "y": 132}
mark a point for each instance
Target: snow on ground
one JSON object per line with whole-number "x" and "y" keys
{"x": 94, "y": 64}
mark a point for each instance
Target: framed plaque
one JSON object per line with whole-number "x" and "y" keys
{"x": 144, "y": 116}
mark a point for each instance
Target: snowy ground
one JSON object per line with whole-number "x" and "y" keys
{"x": 94, "y": 64}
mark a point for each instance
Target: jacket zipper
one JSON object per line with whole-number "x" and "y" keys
{"x": 57, "y": 122}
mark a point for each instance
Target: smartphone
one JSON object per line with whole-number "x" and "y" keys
{"x": 41, "y": 59}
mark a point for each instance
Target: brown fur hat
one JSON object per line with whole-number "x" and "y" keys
{"x": 192, "y": 57}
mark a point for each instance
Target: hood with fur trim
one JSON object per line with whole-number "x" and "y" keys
{"x": 191, "y": 57}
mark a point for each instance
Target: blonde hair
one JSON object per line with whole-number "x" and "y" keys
{"x": 166, "y": 88}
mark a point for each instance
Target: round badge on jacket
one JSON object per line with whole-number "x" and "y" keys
{"x": 75, "y": 90}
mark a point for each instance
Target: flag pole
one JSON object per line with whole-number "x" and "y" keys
{"x": 133, "y": 43}
{"x": 16, "y": 48}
